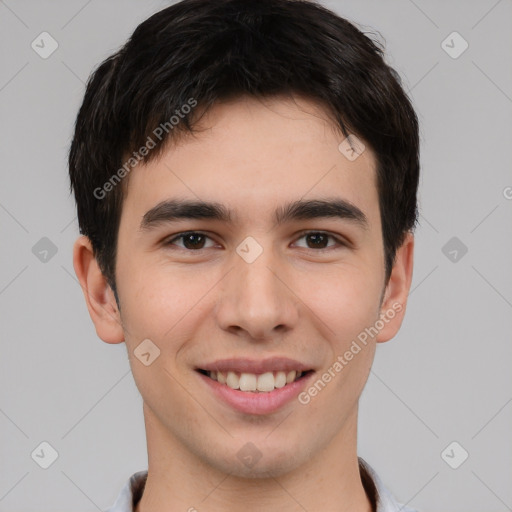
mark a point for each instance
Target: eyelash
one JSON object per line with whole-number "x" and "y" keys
{"x": 301, "y": 235}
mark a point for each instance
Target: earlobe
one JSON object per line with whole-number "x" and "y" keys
{"x": 397, "y": 290}
{"x": 99, "y": 297}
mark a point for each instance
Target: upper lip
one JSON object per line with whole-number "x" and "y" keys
{"x": 272, "y": 364}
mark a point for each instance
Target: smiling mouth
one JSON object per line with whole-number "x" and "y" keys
{"x": 255, "y": 383}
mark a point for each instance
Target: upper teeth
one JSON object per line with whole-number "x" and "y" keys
{"x": 252, "y": 382}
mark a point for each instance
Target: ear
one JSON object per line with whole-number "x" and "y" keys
{"x": 99, "y": 297}
{"x": 394, "y": 303}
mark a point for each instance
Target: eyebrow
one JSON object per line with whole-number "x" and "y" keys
{"x": 175, "y": 209}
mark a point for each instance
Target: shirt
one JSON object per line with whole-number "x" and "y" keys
{"x": 382, "y": 500}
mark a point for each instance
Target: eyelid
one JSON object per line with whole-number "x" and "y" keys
{"x": 339, "y": 240}
{"x": 177, "y": 236}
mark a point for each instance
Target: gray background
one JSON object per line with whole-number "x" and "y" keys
{"x": 445, "y": 377}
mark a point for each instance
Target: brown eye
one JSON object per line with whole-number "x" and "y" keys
{"x": 192, "y": 240}
{"x": 319, "y": 240}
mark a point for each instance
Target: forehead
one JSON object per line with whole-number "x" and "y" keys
{"x": 248, "y": 153}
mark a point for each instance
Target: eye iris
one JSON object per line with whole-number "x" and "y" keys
{"x": 193, "y": 240}
{"x": 317, "y": 239}
{"x": 196, "y": 240}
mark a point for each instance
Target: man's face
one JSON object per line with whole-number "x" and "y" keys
{"x": 251, "y": 295}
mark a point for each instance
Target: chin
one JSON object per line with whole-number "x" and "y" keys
{"x": 251, "y": 462}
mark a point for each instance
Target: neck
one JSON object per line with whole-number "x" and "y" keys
{"x": 179, "y": 481}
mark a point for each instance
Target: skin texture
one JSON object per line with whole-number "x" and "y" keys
{"x": 294, "y": 300}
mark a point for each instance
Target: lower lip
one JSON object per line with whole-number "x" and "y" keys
{"x": 257, "y": 403}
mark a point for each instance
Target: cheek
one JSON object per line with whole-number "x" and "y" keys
{"x": 162, "y": 308}
{"x": 158, "y": 302}
{"x": 348, "y": 302}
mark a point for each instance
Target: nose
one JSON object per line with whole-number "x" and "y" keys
{"x": 256, "y": 299}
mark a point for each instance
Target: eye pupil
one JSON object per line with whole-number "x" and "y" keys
{"x": 317, "y": 239}
{"x": 196, "y": 240}
{"x": 192, "y": 240}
